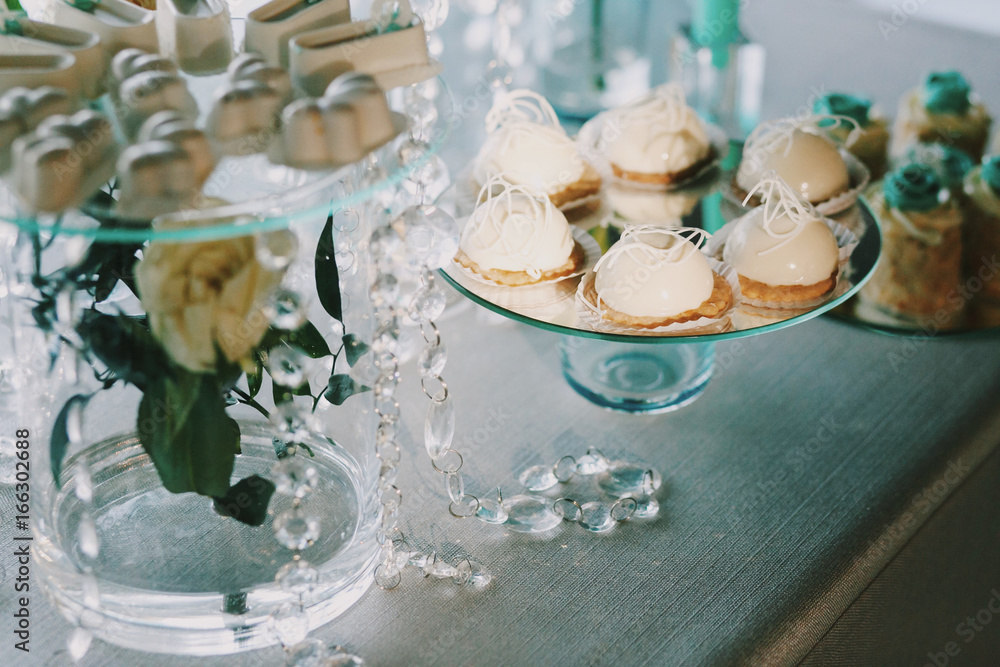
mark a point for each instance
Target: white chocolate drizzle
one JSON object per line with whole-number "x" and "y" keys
{"x": 787, "y": 205}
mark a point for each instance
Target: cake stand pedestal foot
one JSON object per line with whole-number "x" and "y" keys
{"x": 637, "y": 377}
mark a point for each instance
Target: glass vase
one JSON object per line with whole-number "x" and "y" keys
{"x": 202, "y": 468}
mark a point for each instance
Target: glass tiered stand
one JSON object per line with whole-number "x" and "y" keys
{"x": 295, "y": 538}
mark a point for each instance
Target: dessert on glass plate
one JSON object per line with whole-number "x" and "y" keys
{"x": 658, "y": 280}
{"x": 918, "y": 275}
{"x": 787, "y": 256}
{"x": 943, "y": 110}
{"x": 517, "y": 237}
{"x": 527, "y": 144}
{"x": 801, "y": 154}
{"x": 867, "y": 140}
{"x": 982, "y": 241}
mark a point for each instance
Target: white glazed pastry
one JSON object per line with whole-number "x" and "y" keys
{"x": 516, "y": 236}
{"x": 782, "y": 251}
{"x": 270, "y": 27}
{"x": 64, "y": 161}
{"x": 22, "y": 34}
{"x": 196, "y": 34}
{"x": 21, "y": 111}
{"x": 811, "y": 164}
{"x": 31, "y": 70}
{"x": 175, "y": 128}
{"x": 527, "y": 144}
{"x": 252, "y": 67}
{"x": 155, "y": 178}
{"x": 348, "y": 122}
{"x": 147, "y": 92}
{"x": 243, "y": 117}
{"x": 656, "y": 277}
{"x": 119, "y": 24}
{"x": 394, "y": 52}
{"x": 659, "y": 138}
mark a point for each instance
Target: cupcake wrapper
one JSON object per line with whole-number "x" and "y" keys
{"x": 857, "y": 173}
{"x": 590, "y": 315}
{"x": 591, "y": 255}
{"x": 594, "y": 149}
{"x": 846, "y": 243}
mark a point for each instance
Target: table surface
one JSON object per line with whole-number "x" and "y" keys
{"x": 788, "y": 486}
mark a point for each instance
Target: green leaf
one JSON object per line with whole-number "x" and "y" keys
{"x": 308, "y": 339}
{"x": 282, "y": 394}
{"x": 341, "y": 387}
{"x": 126, "y": 346}
{"x": 354, "y": 347}
{"x": 184, "y": 428}
{"x": 246, "y": 500}
{"x": 327, "y": 275}
{"x": 60, "y": 436}
{"x": 256, "y": 379}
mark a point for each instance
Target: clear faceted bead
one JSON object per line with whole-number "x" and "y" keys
{"x": 341, "y": 658}
{"x": 499, "y": 74}
{"x": 592, "y": 463}
{"x": 87, "y": 536}
{"x": 289, "y": 624}
{"x": 538, "y": 478}
{"x": 83, "y": 486}
{"x": 276, "y": 250}
{"x": 646, "y": 507}
{"x": 455, "y": 485}
{"x": 386, "y": 339}
{"x": 430, "y": 237}
{"x": 385, "y": 289}
{"x": 480, "y": 577}
{"x": 439, "y": 429}
{"x": 431, "y": 361}
{"x": 90, "y": 591}
{"x": 439, "y": 569}
{"x": 432, "y": 12}
{"x": 295, "y": 476}
{"x": 286, "y": 310}
{"x": 346, "y": 220}
{"x": 596, "y": 517}
{"x": 463, "y": 572}
{"x": 623, "y": 479}
{"x": 78, "y": 643}
{"x": 385, "y": 242}
{"x": 286, "y": 365}
{"x": 290, "y": 421}
{"x": 298, "y": 577}
{"x": 530, "y": 515}
{"x": 309, "y": 653}
{"x": 491, "y": 511}
{"x": 432, "y": 173}
{"x": 428, "y": 304}
{"x": 295, "y": 529}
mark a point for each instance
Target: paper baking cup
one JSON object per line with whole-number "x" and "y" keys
{"x": 593, "y": 146}
{"x": 846, "y": 243}
{"x": 857, "y": 174}
{"x": 591, "y": 255}
{"x": 589, "y": 314}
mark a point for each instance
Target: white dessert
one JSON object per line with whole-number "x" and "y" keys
{"x": 118, "y": 23}
{"x": 155, "y": 178}
{"x": 811, "y": 164}
{"x": 196, "y": 34}
{"x": 129, "y": 62}
{"x": 30, "y": 70}
{"x": 349, "y": 121}
{"x": 64, "y": 161}
{"x": 396, "y": 57}
{"x": 252, "y": 67}
{"x": 85, "y": 47}
{"x": 517, "y": 230}
{"x": 528, "y": 145}
{"x": 270, "y": 27}
{"x": 654, "y": 272}
{"x": 175, "y": 128}
{"x": 145, "y": 93}
{"x": 658, "y": 135}
{"x": 243, "y": 115}
{"x": 783, "y": 242}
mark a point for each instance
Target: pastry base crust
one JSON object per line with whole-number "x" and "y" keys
{"x": 718, "y": 302}
{"x": 664, "y": 179}
{"x": 589, "y": 185}
{"x": 520, "y": 278}
{"x": 759, "y": 291}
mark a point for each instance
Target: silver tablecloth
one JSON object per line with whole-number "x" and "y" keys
{"x": 814, "y": 457}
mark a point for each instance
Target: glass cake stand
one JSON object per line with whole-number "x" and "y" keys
{"x": 648, "y": 373}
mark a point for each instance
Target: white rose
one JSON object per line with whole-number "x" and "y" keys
{"x": 206, "y": 296}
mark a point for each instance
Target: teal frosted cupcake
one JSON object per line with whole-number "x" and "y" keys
{"x": 942, "y": 110}
{"x": 920, "y": 268}
{"x": 982, "y": 238}
{"x": 949, "y": 163}
{"x": 868, "y": 140}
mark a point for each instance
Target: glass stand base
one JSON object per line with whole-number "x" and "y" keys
{"x": 173, "y": 576}
{"x": 637, "y": 378}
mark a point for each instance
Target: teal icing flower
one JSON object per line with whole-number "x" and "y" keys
{"x": 946, "y": 92}
{"x": 841, "y": 104}
{"x": 915, "y": 187}
{"x": 991, "y": 174}
{"x": 950, "y": 163}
